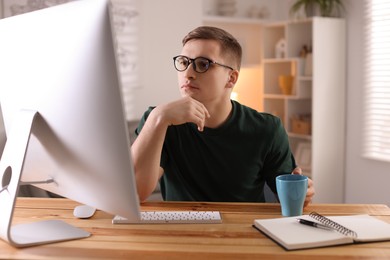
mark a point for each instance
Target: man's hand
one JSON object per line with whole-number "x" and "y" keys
{"x": 310, "y": 187}
{"x": 182, "y": 111}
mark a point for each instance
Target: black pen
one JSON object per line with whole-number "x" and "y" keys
{"x": 313, "y": 224}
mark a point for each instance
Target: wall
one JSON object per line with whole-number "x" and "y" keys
{"x": 367, "y": 181}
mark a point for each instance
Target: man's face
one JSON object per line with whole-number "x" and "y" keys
{"x": 210, "y": 86}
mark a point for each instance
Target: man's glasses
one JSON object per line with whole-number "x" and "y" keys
{"x": 200, "y": 64}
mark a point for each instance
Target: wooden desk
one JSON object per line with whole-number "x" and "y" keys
{"x": 234, "y": 239}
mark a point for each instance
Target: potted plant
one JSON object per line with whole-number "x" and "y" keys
{"x": 327, "y": 8}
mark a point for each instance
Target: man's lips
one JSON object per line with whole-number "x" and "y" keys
{"x": 189, "y": 86}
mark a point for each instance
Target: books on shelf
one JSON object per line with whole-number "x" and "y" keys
{"x": 292, "y": 235}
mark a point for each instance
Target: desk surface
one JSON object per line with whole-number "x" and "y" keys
{"x": 234, "y": 239}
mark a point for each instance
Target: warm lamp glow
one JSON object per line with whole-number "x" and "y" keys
{"x": 234, "y": 96}
{"x": 248, "y": 89}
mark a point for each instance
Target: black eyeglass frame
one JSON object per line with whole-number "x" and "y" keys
{"x": 193, "y": 61}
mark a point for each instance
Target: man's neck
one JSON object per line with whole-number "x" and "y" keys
{"x": 219, "y": 114}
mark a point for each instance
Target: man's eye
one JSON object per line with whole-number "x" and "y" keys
{"x": 183, "y": 62}
{"x": 202, "y": 64}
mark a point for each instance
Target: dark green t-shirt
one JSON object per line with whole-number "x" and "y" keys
{"x": 230, "y": 163}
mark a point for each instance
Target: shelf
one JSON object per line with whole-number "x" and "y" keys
{"x": 305, "y": 78}
{"x": 318, "y": 96}
{"x": 275, "y": 96}
{"x": 294, "y": 135}
{"x": 277, "y": 60}
{"x": 281, "y": 96}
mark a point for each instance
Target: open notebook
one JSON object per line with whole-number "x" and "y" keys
{"x": 292, "y": 235}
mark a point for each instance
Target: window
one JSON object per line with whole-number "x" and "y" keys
{"x": 377, "y": 81}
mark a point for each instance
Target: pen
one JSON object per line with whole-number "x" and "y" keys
{"x": 313, "y": 224}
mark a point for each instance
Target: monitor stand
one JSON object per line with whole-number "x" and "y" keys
{"x": 11, "y": 167}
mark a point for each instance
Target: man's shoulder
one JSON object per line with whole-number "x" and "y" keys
{"x": 246, "y": 114}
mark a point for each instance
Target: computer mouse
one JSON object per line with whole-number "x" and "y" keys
{"x": 84, "y": 211}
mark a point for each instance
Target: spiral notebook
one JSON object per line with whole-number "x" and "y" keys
{"x": 292, "y": 235}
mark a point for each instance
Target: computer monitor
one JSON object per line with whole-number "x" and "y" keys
{"x": 63, "y": 115}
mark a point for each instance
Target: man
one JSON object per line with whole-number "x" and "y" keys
{"x": 204, "y": 146}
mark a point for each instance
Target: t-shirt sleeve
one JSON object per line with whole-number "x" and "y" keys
{"x": 143, "y": 120}
{"x": 139, "y": 129}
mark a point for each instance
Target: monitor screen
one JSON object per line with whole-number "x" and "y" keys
{"x": 59, "y": 64}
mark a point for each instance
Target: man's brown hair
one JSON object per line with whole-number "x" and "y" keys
{"x": 229, "y": 45}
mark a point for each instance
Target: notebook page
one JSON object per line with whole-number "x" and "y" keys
{"x": 368, "y": 228}
{"x": 292, "y": 235}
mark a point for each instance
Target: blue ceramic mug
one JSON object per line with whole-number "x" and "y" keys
{"x": 291, "y": 189}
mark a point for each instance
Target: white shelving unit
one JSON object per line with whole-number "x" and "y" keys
{"x": 321, "y": 95}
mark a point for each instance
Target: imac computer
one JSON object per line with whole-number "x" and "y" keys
{"x": 63, "y": 115}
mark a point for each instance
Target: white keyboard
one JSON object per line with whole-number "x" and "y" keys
{"x": 174, "y": 217}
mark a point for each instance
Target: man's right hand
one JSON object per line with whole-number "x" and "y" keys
{"x": 181, "y": 111}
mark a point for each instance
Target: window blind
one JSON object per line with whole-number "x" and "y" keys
{"x": 377, "y": 81}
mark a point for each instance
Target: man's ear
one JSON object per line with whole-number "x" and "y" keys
{"x": 233, "y": 77}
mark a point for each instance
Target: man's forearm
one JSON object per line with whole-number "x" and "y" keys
{"x": 146, "y": 153}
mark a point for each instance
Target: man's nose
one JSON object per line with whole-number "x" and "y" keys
{"x": 190, "y": 71}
